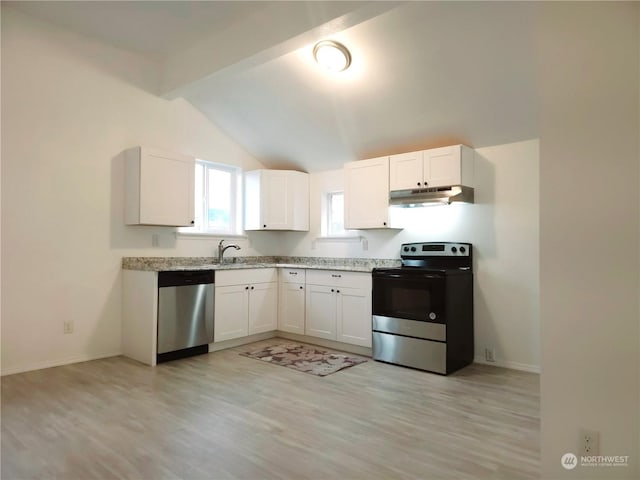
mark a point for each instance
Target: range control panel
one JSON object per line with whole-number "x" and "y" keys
{"x": 435, "y": 249}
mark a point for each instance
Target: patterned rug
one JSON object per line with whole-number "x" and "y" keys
{"x": 304, "y": 358}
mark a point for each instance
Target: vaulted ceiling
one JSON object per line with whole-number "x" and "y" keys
{"x": 423, "y": 73}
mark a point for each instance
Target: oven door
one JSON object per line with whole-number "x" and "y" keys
{"x": 411, "y": 295}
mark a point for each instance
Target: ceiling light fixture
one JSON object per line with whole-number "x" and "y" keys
{"x": 332, "y": 56}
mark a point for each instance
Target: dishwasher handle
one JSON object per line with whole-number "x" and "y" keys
{"x": 185, "y": 277}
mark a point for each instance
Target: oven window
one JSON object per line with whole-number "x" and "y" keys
{"x": 405, "y": 298}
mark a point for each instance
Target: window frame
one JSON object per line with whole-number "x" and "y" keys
{"x": 328, "y": 218}
{"x": 201, "y": 205}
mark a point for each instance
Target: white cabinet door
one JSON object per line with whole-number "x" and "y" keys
{"x": 159, "y": 188}
{"x": 291, "y": 311}
{"x": 405, "y": 171}
{"x": 354, "y": 316}
{"x": 263, "y": 307}
{"x": 231, "y": 312}
{"x": 276, "y": 200}
{"x": 442, "y": 166}
{"x": 321, "y": 312}
{"x": 366, "y": 194}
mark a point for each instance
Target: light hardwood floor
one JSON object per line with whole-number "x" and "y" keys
{"x": 222, "y": 415}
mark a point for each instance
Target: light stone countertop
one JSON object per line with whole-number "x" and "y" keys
{"x": 161, "y": 264}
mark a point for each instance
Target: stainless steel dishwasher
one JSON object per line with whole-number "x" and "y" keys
{"x": 185, "y": 313}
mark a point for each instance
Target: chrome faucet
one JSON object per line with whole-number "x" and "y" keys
{"x": 221, "y": 249}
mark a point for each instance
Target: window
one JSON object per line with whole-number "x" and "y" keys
{"x": 335, "y": 215}
{"x": 217, "y": 199}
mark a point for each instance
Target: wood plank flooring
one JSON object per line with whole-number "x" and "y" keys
{"x": 222, "y": 415}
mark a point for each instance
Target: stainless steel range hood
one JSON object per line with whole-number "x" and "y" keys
{"x": 431, "y": 196}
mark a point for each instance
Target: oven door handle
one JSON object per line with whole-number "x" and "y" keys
{"x": 405, "y": 277}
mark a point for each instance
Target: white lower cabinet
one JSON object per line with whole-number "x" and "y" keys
{"x": 246, "y": 302}
{"x": 338, "y": 306}
{"x": 231, "y": 312}
{"x": 327, "y": 304}
{"x": 354, "y": 316}
{"x": 291, "y": 300}
{"x": 263, "y": 307}
{"x": 321, "y": 312}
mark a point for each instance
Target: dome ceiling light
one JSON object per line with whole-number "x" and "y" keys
{"x": 332, "y": 56}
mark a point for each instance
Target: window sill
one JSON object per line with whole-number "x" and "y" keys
{"x": 208, "y": 236}
{"x": 342, "y": 239}
{"x": 339, "y": 238}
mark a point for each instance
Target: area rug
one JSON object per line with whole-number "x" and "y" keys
{"x": 305, "y": 358}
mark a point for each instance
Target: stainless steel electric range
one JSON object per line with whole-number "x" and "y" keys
{"x": 423, "y": 310}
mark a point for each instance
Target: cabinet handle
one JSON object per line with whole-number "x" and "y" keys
{"x": 336, "y": 276}
{"x": 426, "y": 183}
{"x": 384, "y": 223}
{"x": 246, "y": 288}
{"x": 251, "y": 287}
{"x": 193, "y": 222}
{"x": 301, "y": 287}
{"x": 293, "y": 273}
{"x": 418, "y": 183}
{"x": 332, "y": 290}
{"x": 264, "y": 226}
{"x": 337, "y": 291}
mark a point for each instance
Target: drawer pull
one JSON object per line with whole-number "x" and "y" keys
{"x": 336, "y": 276}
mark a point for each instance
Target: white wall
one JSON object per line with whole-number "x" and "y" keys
{"x": 70, "y": 106}
{"x": 589, "y": 231}
{"x": 502, "y": 224}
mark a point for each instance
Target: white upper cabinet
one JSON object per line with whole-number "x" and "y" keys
{"x": 437, "y": 167}
{"x": 405, "y": 171}
{"x": 276, "y": 200}
{"x": 366, "y": 194}
{"x": 448, "y": 166}
{"x": 158, "y": 188}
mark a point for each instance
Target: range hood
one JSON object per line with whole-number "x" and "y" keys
{"x": 431, "y": 196}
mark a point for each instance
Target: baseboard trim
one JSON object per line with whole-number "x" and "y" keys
{"x": 524, "y": 367}
{"x": 214, "y": 347}
{"x": 57, "y": 363}
{"x": 237, "y": 342}
{"x": 345, "y": 347}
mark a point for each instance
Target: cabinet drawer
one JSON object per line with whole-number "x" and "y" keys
{"x": 292, "y": 275}
{"x": 339, "y": 278}
{"x": 246, "y": 277}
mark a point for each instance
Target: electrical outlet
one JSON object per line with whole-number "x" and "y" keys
{"x": 589, "y": 443}
{"x": 68, "y": 326}
{"x": 490, "y": 354}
